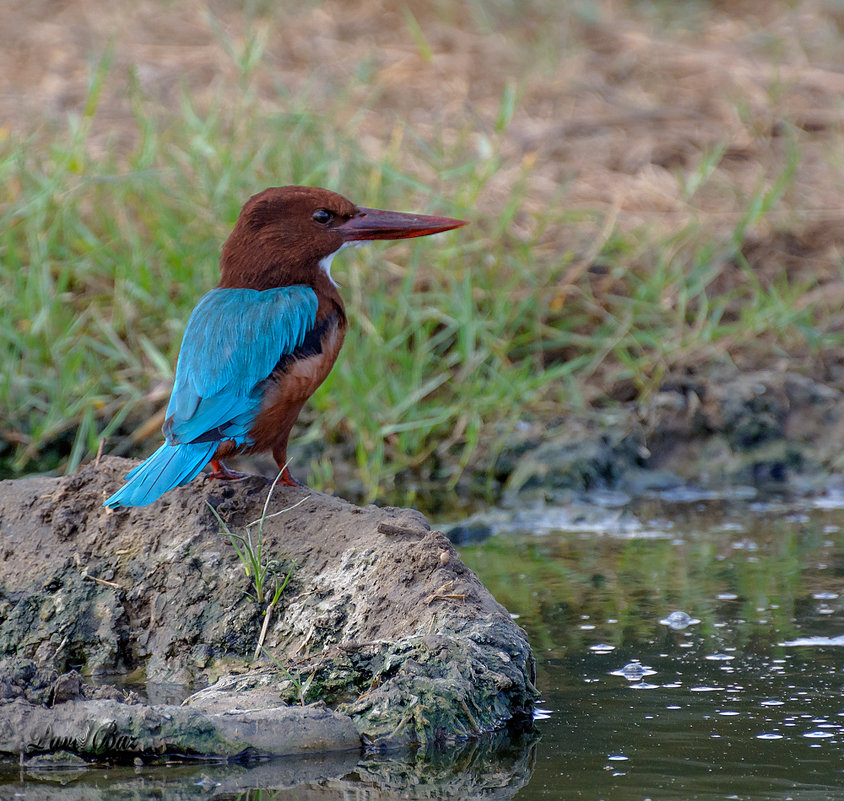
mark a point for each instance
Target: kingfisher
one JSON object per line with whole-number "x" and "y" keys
{"x": 258, "y": 345}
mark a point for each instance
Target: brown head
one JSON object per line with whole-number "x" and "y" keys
{"x": 287, "y": 235}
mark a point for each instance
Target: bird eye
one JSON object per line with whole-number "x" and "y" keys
{"x": 323, "y": 216}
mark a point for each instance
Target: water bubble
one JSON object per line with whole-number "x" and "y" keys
{"x": 719, "y": 657}
{"x": 819, "y": 735}
{"x": 769, "y": 736}
{"x": 771, "y": 703}
{"x": 727, "y": 596}
{"x": 634, "y": 671}
{"x": 679, "y": 620}
{"x": 617, "y": 758}
{"x": 601, "y": 648}
{"x": 824, "y": 596}
{"x": 541, "y": 714}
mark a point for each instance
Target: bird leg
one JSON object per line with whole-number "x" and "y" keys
{"x": 287, "y": 478}
{"x": 219, "y": 470}
{"x": 280, "y": 456}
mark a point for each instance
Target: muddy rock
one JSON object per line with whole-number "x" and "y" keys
{"x": 763, "y": 427}
{"x": 381, "y": 625}
{"x": 579, "y": 456}
{"x": 99, "y": 728}
{"x": 760, "y": 427}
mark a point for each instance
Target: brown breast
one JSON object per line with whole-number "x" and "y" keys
{"x": 295, "y": 378}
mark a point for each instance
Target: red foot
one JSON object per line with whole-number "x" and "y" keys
{"x": 288, "y": 480}
{"x": 220, "y": 471}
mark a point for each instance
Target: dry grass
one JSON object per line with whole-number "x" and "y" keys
{"x": 614, "y": 102}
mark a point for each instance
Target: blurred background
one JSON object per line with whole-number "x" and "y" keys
{"x": 655, "y": 191}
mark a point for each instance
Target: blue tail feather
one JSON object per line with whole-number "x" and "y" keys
{"x": 170, "y": 466}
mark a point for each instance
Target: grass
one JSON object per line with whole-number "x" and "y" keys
{"x": 249, "y": 548}
{"x": 300, "y": 685}
{"x": 543, "y": 304}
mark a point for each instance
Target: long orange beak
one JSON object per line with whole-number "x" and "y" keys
{"x": 376, "y": 224}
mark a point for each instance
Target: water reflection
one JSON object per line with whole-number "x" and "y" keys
{"x": 495, "y": 767}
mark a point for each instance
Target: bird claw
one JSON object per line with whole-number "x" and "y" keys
{"x": 287, "y": 479}
{"x": 220, "y": 471}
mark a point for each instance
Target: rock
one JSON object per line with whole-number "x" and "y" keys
{"x": 765, "y": 427}
{"x": 381, "y": 623}
{"x": 761, "y": 427}
{"x": 579, "y": 457}
{"x": 66, "y": 687}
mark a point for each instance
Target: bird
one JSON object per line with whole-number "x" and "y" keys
{"x": 258, "y": 345}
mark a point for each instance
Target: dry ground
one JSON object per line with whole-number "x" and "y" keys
{"x": 612, "y": 106}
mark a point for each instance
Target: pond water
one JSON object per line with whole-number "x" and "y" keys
{"x": 691, "y": 649}
{"x": 688, "y": 647}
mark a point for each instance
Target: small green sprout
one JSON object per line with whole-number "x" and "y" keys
{"x": 249, "y": 548}
{"x": 302, "y": 687}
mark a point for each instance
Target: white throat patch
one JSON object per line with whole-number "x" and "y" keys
{"x": 325, "y": 263}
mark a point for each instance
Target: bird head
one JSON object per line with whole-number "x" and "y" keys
{"x": 288, "y": 235}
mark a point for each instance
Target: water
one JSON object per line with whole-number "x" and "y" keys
{"x": 687, "y": 650}
{"x": 690, "y": 648}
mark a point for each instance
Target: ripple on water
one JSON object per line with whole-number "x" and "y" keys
{"x": 814, "y": 641}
